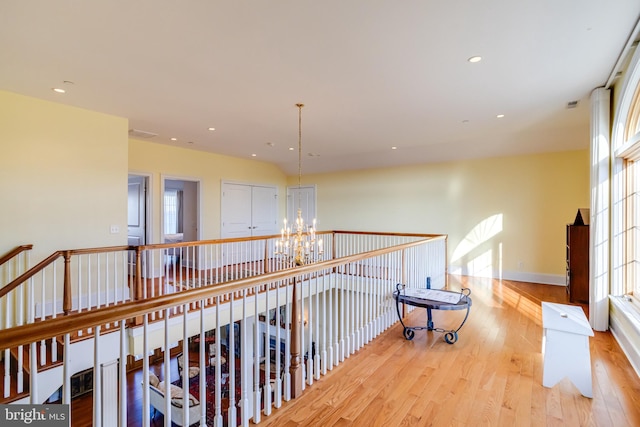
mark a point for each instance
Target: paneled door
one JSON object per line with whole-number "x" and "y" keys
{"x": 264, "y": 211}
{"x": 136, "y": 215}
{"x": 136, "y": 210}
{"x": 248, "y": 210}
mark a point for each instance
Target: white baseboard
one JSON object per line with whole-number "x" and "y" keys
{"x": 545, "y": 279}
{"x": 518, "y": 276}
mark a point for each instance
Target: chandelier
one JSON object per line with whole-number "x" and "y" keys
{"x": 299, "y": 245}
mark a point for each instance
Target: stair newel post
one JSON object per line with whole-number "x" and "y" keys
{"x": 66, "y": 297}
{"x": 295, "y": 369}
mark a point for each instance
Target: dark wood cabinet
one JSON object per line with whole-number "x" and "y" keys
{"x": 578, "y": 263}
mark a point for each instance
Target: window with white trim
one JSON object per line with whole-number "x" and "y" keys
{"x": 630, "y": 153}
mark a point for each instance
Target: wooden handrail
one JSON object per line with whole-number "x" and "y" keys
{"x": 378, "y": 233}
{"x": 53, "y": 257}
{"x": 14, "y": 252}
{"x": 26, "y": 334}
{"x": 30, "y": 273}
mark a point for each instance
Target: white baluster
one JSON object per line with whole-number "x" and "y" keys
{"x": 167, "y": 365}
{"x": 231, "y": 363}
{"x": 267, "y": 360}
{"x": 309, "y": 333}
{"x": 7, "y": 372}
{"x": 202, "y": 364}
{"x": 20, "y": 372}
{"x": 218, "y": 368}
{"x": 99, "y": 290}
{"x": 123, "y": 370}
{"x": 97, "y": 380}
{"x": 244, "y": 378}
{"x": 146, "y": 412}
{"x": 278, "y": 352}
{"x": 256, "y": 359}
{"x": 287, "y": 343}
{"x": 33, "y": 378}
{"x": 317, "y": 330}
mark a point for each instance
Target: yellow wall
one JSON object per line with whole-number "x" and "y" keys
{"x": 166, "y": 162}
{"x": 62, "y": 175}
{"x": 502, "y": 214}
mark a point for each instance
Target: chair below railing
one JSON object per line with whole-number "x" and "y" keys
{"x": 258, "y": 335}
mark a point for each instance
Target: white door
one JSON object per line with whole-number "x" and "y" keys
{"x": 264, "y": 211}
{"x": 303, "y": 198}
{"x": 236, "y": 211}
{"x": 136, "y": 210}
{"x": 248, "y": 210}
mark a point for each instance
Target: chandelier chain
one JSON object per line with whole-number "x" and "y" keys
{"x": 299, "y": 144}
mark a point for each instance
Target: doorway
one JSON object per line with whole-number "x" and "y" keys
{"x": 138, "y": 214}
{"x": 137, "y": 210}
{"x": 180, "y": 210}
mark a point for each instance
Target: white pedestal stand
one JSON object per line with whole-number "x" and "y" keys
{"x": 565, "y": 346}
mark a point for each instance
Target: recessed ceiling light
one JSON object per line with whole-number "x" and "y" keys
{"x": 500, "y": 116}
{"x": 474, "y": 59}
{"x": 174, "y": 139}
{"x": 465, "y": 121}
{"x": 271, "y": 144}
{"x": 394, "y": 148}
{"x": 291, "y": 148}
{"x": 190, "y": 142}
{"x": 212, "y": 129}
{"x": 58, "y": 90}
{"x": 254, "y": 155}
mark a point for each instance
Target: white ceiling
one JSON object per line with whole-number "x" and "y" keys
{"x": 372, "y": 74}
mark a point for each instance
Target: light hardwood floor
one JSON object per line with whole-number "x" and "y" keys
{"x": 491, "y": 377}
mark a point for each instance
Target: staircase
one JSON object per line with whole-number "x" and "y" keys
{"x": 15, "y": 384}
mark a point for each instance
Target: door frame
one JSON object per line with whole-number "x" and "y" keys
{"x": 148, "y": 201}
